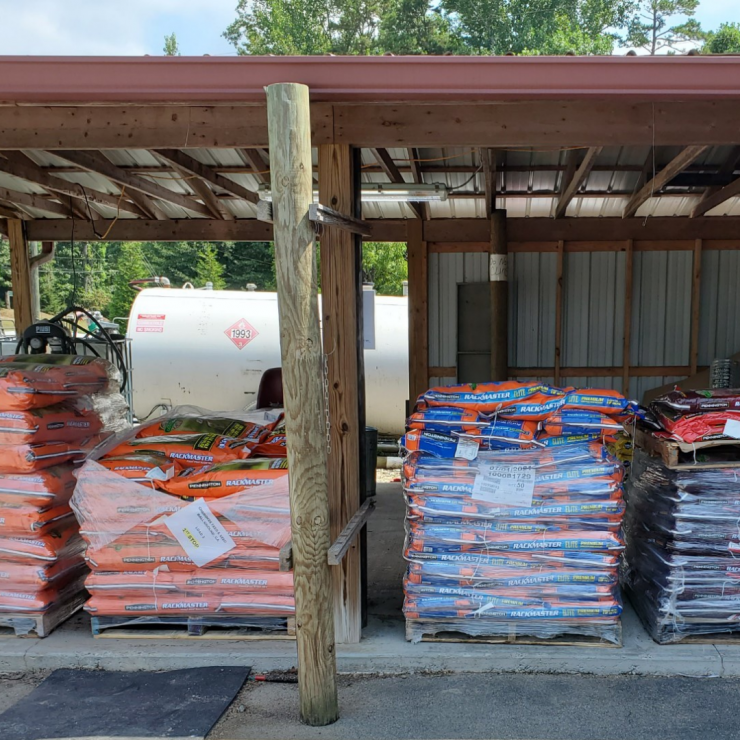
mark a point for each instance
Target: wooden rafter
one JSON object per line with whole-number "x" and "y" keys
{"x": 7, "y": 211}
{"x": 97, "y": 162}
{"x": 31, "y": 200}
{"x": 722, "y": 195}
{"x": 19, "y": 165}
{"x": 394, "y": 175}
{"x": 260, "y": 168}
{"x": 194, "y": 167}
{"x": 576, "y": 180}
{"x": 416, "y": 174}
{"x": 148, "y": 205}
{"x": 653, "y": 186}
{"x": 489, "y": 164}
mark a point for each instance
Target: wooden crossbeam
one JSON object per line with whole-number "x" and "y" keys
{"x": 576, "y": 180}
{"x": 185, "y": 161}
{"x": 33, "y": 201}
{"x": 394, "y": 175}
{"x": 727, "y": 171}
{"x": 8, "y": 212}
{"x": 97, "y": 162}
{"x": 653, "y": 186}
{"x": 347, "y": 536}
{"x": 260, "y": 168}
{"x": 722, "y": 195}
{"x": 19, "y": 165}
{"x": 488, "y": 160}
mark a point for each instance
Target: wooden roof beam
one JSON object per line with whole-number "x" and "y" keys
{"x": 657, "y": 183}
{"x": 19, "y": 165}
{"x": 97, "y": 162}
{"x": 31, "y": 200}
{"x": 719, "y": 197}
{"x": 726, "y": 170}
{"x": 416, "y": 173}
{"x": 573, "y": 184}
{"x": 490, "y": 168}
{"x": 260, "y": 168}
{"x": 194, "y": 167}
{"x": 394, "y": 175}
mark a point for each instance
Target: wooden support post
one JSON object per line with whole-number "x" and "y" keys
{"x": 339, "y": 288}
{"x": 20, "y": 271}
{"x": 499, "y": 278}
{"x": 559, "y": 311}
{"x": 695, "y": 307}
{"x": 418, "y": 310}
{"x": 289, "y": 127}
{"x": 626, "y": 347}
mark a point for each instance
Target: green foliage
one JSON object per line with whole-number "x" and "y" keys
{"x": 171, "y": 48}
{"x": 5, "y": 282}
{"x": 651, "y": 27}
{"x": 725, "y": 40}
{"x": 417, "y": 27}
{"x": 130, "y": 264}
{"x": 208, "y": 269}
{"x": 385, "y": 265}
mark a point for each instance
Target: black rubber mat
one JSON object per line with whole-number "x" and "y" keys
{"x": 102, "y": 704}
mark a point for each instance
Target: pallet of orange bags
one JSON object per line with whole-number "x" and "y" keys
{"x": 184, "y": 522}
{"x": 14, "y": 624}
{"x": 514, "y": 509}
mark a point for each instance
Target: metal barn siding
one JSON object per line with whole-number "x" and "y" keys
{"x": 593, "y": 310}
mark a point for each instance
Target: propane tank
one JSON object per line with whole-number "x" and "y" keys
{"x": 209, "y": 348}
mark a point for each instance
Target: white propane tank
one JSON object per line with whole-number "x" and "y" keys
{"x": 209, "y": 348}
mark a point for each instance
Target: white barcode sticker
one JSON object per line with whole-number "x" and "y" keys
{"x": 512, "y": 485}
{"x": 467, "y": 448}
{"x": 732, "y": 429}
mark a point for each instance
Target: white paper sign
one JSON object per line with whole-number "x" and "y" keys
{"x": 511, "y": 485}
{"x": 498, "y": 268}
{"x": 199, "y": 533}
{"x": 732, "y": 428}
{"x": 467, "y": 449}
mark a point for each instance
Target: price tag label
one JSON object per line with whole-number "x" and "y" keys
{"x": 467, "y": 448}
{"x": 199, "y": 533}
{"x": 732, "y": 429}
{"x": 511, "y": 485}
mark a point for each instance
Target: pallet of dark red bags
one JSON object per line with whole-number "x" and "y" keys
{"x": 217, "y": 627}
{"x": 717, "y": 453}
{"x": 449, "y": 630}
{"x": 13, "y": 624}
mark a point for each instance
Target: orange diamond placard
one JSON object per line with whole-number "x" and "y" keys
{"x": 241, "y": 333}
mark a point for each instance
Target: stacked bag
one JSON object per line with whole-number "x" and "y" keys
{"x": 682, "y": 562}
{"x": 228, "y": 477}
{"x": 514, "y": 511}
{"x": 54, "y": 409}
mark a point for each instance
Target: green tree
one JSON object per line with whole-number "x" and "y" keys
{"x": 417, "y": 27}
{"x": 725, "y": 40}
{"x": 171, "y": 47}
{"x": 208, "y": 269}
{"x": 385, "y": 265}
{"x": 130, "y": 264}
{"x": 547, "y": 27}
{"x": 652, "y": 26}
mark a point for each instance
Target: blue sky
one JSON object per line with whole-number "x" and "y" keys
{"x": 139, "y": 26}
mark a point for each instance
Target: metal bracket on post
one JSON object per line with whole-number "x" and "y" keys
{"x": 325, "y": 216}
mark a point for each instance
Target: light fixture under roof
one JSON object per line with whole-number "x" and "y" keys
{"x": 403, "y": 192}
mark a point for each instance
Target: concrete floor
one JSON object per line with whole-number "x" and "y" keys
{"x": 383, "y": 649}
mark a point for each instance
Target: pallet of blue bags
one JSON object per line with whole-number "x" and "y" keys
{"x": 514, "y": 514}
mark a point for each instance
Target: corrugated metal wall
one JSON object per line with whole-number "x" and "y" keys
{"x": 593, "y": 310}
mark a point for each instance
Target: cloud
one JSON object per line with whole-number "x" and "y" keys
{"x": 109, "y": 27}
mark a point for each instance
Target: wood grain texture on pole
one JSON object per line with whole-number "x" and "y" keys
{"x": 289, "y": 129}
{"x": 339, "y": 288}
{"x": 20, "y": 272}
{"x": 499, "y": 280}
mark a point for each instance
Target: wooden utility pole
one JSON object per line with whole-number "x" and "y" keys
{"x": 499, "y": 278}
{"x": 289, "y": 130}
{"x": 20, "y": 271}
{"x": 340, "y": 283}
{"x": 418, "y": 258}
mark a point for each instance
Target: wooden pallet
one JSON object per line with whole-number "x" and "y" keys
{"x": 512, "y": 638}
{"x": 13, "y": 624}
{"x": 194, "y": 628}
{"x": 720, "y": 453}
